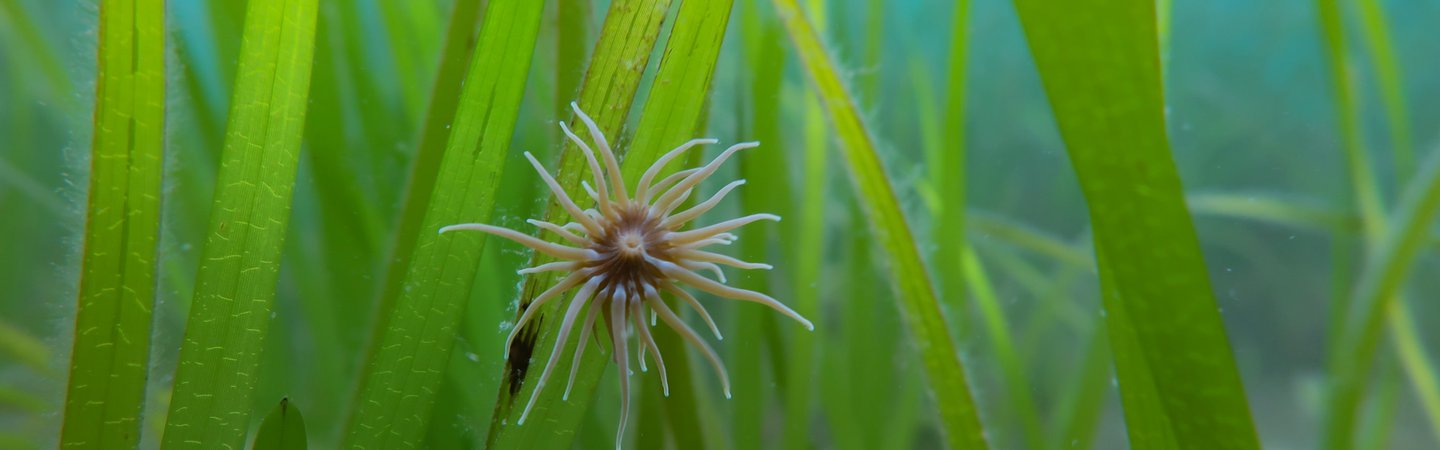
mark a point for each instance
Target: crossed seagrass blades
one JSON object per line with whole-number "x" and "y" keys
{"x": 625, "y": 251}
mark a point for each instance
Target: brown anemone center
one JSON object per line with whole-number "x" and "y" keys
{"x": 627, "y": 238}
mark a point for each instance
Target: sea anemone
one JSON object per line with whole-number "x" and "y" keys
{"x": 626, "y": 251}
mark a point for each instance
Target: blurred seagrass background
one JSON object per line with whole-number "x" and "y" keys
{"x": 1017, "y": 224}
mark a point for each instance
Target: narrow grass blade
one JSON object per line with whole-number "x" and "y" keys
{"x": 918, "y": 302}
{"x": 109, "y": 364}
{"x": 1012, "y": 366}
{"x": 1362, "y": 177}
{"x": 1272, "y": 209}
{"x": 1082, "y": 405}
{"x": 809, "y": 253}
{"x": 627, "y": 39}
{"x": 768, "y": 190}
{"x": 282, "y": 429}
{"x": 235, "y": 288}
{"x": 948, "y": 166}
{"x": 34, "y": 47}
{"x": 1385, "y": 270}
{"x": 985, "y": 225}
{"x": 1376, "y": 29}
{"x": 18, "y": 346}
{"x": 1099, "y": 63}
{"x": 409, "y": 355}
{"x": 1416, "y": 361}
{"x": 14, "y": 399}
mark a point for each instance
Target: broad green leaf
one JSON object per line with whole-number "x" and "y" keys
{"x": 1100, "y": 65}
{"x": 919, "y": 304}
{"x": 412, "y": 349}
{"x": 282, "y": 429}
{"x": 627, "y": 39}
{"x": 109, "y": 364}
{"x": 240, "y": 263}
{"x": 434, "y": 135}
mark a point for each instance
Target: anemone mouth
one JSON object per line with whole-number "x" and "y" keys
{"x": 627, "y": 251}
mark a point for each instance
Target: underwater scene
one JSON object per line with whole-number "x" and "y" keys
{"x": 719, "y": 224}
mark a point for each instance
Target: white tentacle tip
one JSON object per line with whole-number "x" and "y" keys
{"x": 448, "y": 228}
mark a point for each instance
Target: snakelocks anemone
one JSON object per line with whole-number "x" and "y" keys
{"x": 628, "y": 249}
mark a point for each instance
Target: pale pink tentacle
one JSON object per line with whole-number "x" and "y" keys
{"x": 701, "y": 255}
{"x": 622, "y": 353}
{"x": 576, "y": 304}
{"x": 684, "y": 237}
{"x": 679, "y": 219}
{"x": 642, "y": 189}
{"x": 565, "y": 202}
{"x": 550, "y": 267}
{"x": 549, "y": 248}
{"x": 674, "y": 177}
{"x": 705, "y": 171}
{"x": 594, "y": 167}
{"x": 611, "y": 163}
{"x": 704, "y": 314}
{"x": 684, "y": 330}
{"x": 648, "y": 341}
{"x": 558, "y": 230}
{"x": 703, "y": 265}
{"x": 719, "y": 239}
{"x": 708, "y": 285}
{"x": 580, "y": 345}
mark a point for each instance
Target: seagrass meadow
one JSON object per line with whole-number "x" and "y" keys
{"x": 719, "y": 224}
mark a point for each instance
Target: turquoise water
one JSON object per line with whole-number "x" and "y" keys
{"x": 1251, "y": 115}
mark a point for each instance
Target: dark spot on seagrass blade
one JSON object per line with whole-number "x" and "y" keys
{"x": 520, "y": 353}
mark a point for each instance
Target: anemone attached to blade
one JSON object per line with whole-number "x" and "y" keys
{"x": 626, "y": 250}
